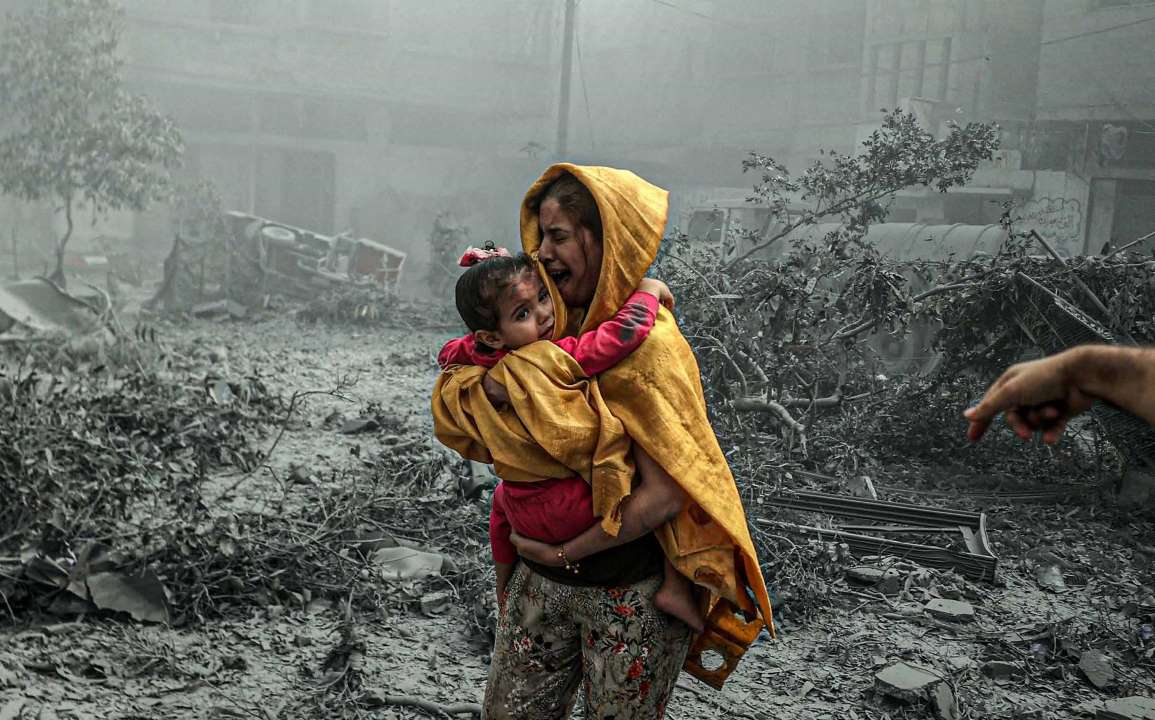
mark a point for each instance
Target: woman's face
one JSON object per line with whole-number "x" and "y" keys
{"x": 570, "y": 254}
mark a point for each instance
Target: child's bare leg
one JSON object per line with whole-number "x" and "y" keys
{"x": 676, "y": 597}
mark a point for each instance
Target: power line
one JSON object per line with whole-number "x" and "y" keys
{"x": 1097, "y": 32}
{"x": 585, "y": 89}
{"x": 704, "y": 16}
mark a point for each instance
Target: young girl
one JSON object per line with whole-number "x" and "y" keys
{"x": 506, "y": 306}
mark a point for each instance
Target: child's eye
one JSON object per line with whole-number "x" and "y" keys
{"x": 543, "y": 295}
{"x": 521, "y": 315}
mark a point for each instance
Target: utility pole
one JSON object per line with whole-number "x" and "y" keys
{"x": 566, "y": 74}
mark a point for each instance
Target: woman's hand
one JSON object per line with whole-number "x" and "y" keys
{"x": 536, "y": 551}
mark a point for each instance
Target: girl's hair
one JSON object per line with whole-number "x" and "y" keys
{"x": 479, "y": 287}
{"x": 576, "y": 201}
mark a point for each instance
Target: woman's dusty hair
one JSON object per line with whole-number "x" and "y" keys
{"x": 576, "y": 201}
{"x": 479, "y": 287}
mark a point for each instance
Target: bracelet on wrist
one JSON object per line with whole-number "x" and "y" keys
{"x": 569, "y": 565}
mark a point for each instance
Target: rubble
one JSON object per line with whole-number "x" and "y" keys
{"x": 886, "y": 580}
{"x": 950, "y": 610}
{"x": 1050, "y": 577}
{"x": 944, "y": 702}
{"x": 959, "y": 663}
{"x": 1129, "y": 708}
{"x": 1001, "y": 669}
{"x": 1097, "y": 668}
{"x": 359, "y": 425}
{"x": 906, "y": 682}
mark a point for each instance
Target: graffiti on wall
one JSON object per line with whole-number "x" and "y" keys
{"x": 1058, "y": 219}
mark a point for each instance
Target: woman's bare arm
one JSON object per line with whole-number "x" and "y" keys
{"x": 657, "y": 500}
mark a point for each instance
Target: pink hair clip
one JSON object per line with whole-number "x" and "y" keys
{"x": 475, "y": 255}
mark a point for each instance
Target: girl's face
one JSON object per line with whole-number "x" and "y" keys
{"x": 524, "y": 314}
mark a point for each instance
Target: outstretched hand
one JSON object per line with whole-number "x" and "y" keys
{"x": 536, "y": 551}
{"x": 1037, "y": 396}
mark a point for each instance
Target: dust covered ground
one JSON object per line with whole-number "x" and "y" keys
{"x": 1066, "y": 630}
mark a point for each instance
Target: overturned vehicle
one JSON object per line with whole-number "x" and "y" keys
{"x": 247, "y": 258}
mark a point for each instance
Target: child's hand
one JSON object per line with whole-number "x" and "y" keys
{"x": 536, "y": 551}
{"x": 658, "y": 289}
{"x": 495, "y": 391}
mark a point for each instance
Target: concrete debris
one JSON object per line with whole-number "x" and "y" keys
{"x": 906, "y": 682}
{"x": 1097, "y": 667}
{"x": 960, "y": 662}
{"x": 944, "y": 703}
{"x": 1050, "y": 577}
{"x": 1001, "y": 669}
{"x": 1129, "y": 708}
{"x": 950, "y": 610}
{"x": 43, "y": 307}
{"x": 436, "y": 603}
{"x": 888, "y": 581}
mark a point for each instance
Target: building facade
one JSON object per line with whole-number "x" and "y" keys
{"x": 365, "y": 115}
{"x": 1072, "y": 88}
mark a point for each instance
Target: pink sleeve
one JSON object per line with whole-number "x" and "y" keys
{"x": 500, "y": 529}
{"x": 611, "y": 342}
{"x": 463, "y": 351}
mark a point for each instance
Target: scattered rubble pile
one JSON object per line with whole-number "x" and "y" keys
{"x": 362, "y": 305}
{"x": 112, "y": 462}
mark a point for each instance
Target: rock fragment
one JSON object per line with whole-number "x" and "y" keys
{"x": 906, "y": 682}
{"x": 1097, "y": 667}
{"x": 943, "y": 700}
{"x": 959, "y": 663}
{"x": 950, "y": 610}
{"x": 887, "y": 581}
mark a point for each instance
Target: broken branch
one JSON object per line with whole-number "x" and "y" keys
{"x": 767, "y": 405}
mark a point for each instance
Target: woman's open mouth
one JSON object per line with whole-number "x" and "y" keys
{"x": 559, "y": 277}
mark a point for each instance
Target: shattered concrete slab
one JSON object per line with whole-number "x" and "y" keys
{"x": 886, "y": 580}
{"x": 950, "y": 610}
{"x": 944, "y": 702}
{"x": 1097, "y": 668}
{"x": 906, "y": 681}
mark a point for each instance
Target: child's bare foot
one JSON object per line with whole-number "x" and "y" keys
{"x": 675, "y": 597}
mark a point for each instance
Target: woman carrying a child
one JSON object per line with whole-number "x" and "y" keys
{"x": 614, "y": 490}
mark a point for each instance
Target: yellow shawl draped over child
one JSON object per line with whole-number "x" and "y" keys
{"x": 558, "y": 421}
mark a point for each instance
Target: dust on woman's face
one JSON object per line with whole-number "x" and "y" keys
{"x": 570, "y": 254}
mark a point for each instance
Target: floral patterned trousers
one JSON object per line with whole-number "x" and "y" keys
{"x": 551, "y": 637}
